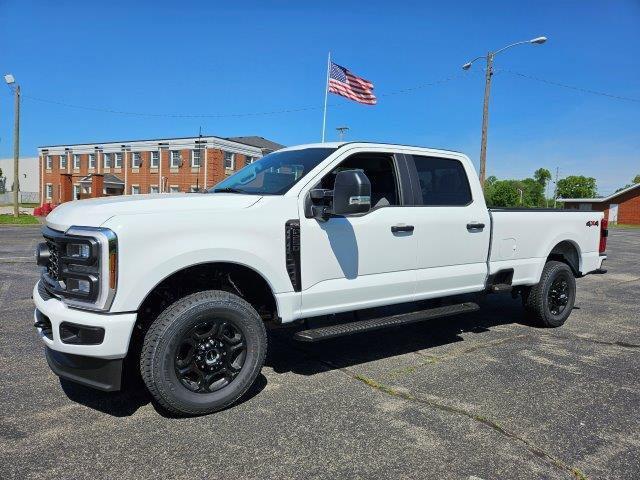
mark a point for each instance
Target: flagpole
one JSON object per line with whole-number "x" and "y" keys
{"x": 326, "y": 94}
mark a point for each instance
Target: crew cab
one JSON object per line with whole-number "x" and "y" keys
{"x": 182, "y": 285}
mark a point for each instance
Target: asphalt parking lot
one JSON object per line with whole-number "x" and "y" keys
{"x": 483, "y": 395}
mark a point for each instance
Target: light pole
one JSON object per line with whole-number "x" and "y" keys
{"x": 341, "y": 132}
{"x": 487, "y": 89}
{"x": 16, "y": 142}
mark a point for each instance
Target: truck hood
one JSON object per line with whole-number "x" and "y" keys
{"x": 96, "y": 211}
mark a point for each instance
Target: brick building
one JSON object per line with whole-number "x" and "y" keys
{"x": 143, "y": 166}
{"x": 620, "y": 207}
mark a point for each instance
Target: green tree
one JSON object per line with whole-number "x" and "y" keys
{"x": 502, "y": 193}
{"x": 542, "y": 176}
{"x": 490, "y": 180}
{"x": 576, "y": 186}
{"x": 636, "y": 179}
{"x": 533, "y": 192}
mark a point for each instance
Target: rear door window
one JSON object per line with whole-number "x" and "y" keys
{"x": 442, "y": 181}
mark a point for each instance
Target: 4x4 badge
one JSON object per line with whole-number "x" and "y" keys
{"x": 592, "y": 223}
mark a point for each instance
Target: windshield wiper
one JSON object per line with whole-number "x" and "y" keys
{"x": 227, "y": 190}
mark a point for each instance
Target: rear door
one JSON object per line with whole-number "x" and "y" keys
{"x": 452, "y": 227}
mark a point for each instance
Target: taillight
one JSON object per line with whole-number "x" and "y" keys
{"x": 604, "y": 233}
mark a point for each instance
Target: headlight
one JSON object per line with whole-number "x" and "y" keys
{"x": 78, "y": 250}
{"x": 81, "y": 266}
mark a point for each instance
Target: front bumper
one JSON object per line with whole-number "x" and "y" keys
{"x": 117, "y": 328}
{"x": 99, "y": 373}
{"x": 97, "y": 365}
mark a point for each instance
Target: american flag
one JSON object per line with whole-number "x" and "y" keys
{"x": 343, "y": 82}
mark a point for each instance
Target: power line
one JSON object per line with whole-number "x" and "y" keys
{"x": 230, "y": 115}
{"x": 571, "y": 87}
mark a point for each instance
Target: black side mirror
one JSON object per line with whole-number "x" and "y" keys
{"x": 351, "y": 193}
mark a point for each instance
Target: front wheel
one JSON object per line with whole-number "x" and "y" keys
{"x": 550, "y": 302}
{"x": 203, "y": 352}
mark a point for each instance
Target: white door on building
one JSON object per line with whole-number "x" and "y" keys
{"x": 613, "y": 213}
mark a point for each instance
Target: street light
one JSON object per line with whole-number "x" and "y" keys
{"x": 16, "y": 141}
{"x": 487, "y": 89}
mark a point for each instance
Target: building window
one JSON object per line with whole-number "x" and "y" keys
{"x": 194, "y": 189}
{"x": 135, "y": 160}
{"x": 175, "y": 158}
{"x": 63, "y": 161}
{"x": 195, "y": 158}
{"x": 174, "y": 189}
{"x": 49, "y": 162}
{"x": 117, "y": 160}
{"x": 76, "y": 161}
{"x": 92, "y": 160}
{"x": 154, "y": 189}
{"x": 155, "y": 159}
{"x": 229, "y": 160}
{"x": 250, "y": 159}
{"x": 106, "y": 160}
{"x": 135, "y": 189}
{"x": 76, "y": 192}
{"x": 49, "y": 191}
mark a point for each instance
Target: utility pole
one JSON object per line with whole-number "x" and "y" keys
{"x": 341, "y": 132}
{"x": 487, "y": 90}
{"x": 16, "y": 144}
{"x": 555, "y": 190}
{"x": 485, "y": 119}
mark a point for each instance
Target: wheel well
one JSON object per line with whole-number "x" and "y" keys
{"x": 566, "y": 252}
{"x": 231, "y": 277}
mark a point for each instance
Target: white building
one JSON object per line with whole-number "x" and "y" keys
{"x": 29, "y": 174}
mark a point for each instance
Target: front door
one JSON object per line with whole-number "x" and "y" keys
{"x": 361, "y": 261}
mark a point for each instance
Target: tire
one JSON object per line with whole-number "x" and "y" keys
{"x": 544, "y": 301}
{"x": 192, "y": 362}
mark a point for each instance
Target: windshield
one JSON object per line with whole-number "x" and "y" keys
{"x": 274, "y": 174}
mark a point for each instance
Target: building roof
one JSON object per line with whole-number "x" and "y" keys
{"x": 109, "y": 179}
{"x": 260, "y": 142}
{"x": 252, "y": 146}
{"x": 602, "y": 199}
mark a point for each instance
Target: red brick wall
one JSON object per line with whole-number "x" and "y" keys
{"x": 145, "y": 177}
{"x": 628, "y": 207}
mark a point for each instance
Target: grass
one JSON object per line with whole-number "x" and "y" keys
{"x": 9, "y": 219}
{"x": 24, "y": 205}
{"x": 624, "y": 226}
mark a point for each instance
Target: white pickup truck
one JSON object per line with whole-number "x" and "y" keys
{"x": 181, "y": 285}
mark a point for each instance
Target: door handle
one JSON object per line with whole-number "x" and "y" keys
{"x": 475, "y": 226}
{"x": 402, "y": 228}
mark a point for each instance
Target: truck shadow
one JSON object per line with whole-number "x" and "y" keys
{"x": 288, "y": 355}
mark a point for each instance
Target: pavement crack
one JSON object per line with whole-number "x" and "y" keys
{"x": 535, "y": 450}
{"x": 617, "y": 343}
{"x": 531, "y": 447}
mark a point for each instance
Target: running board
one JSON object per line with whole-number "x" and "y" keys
{"x": 340, "y": 330}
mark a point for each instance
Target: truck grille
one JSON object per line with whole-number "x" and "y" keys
{"x": 54, "y": 260}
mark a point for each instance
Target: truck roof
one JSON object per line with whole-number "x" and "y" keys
{"x": 362, "y": 143}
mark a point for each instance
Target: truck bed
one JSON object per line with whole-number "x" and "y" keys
{"x": 523, "y": 238}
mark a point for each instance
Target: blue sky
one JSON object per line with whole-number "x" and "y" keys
{"x": 225, "y": 58}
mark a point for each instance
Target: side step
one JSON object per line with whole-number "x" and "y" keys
{"x": 324, "y": 333}
{"x": 501, "y": 287}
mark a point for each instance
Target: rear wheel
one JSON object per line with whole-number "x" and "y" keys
{"x": 551, "y": 301}
{"x": 203, "y": 352}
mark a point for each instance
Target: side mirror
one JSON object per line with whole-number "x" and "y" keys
{"x": 351, "y": 193}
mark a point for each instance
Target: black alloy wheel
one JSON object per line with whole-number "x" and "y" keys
{"x": 558, "y": 296}
{"x": 203, "y": 352}
{"x": 210, "y": 355}
{"x": 551, "y": 301}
